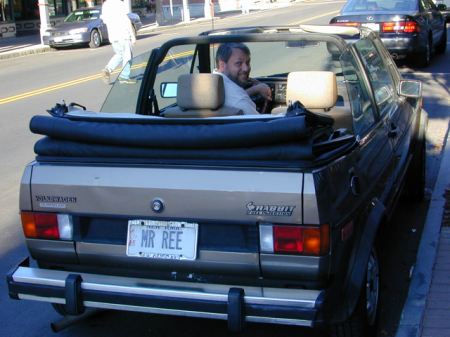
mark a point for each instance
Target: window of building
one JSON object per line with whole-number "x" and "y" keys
{"x": 5, "y": 10}
{"x": 26, "y": 10}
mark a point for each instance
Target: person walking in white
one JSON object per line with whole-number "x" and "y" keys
{"x": 121, "y": 35}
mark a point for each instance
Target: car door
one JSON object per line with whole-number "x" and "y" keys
{"x": 402, "y": 117}
{"x": 375, "y": 164}
{"x": 394, "y": 111}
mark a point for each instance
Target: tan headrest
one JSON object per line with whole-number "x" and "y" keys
{"x": 200, "y": 91}
{"x": 314, "y": 89}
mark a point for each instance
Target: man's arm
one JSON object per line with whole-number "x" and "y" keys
{"x": 259, "y": 88}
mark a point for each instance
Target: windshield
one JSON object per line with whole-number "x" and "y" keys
{"x": 380, "y": 5}
{"x": 86, "y": 15}
{"x": 271, "y": 62}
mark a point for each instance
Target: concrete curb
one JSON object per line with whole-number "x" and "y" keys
{"x": 415, "y": 305}
{"x": 155, "y": 28}
{"x": 37, "y": 49}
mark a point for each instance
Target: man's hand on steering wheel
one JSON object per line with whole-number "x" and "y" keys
{"x": 262, "y": 90}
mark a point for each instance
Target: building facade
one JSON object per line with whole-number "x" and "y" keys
{"x": 19, "y": 17}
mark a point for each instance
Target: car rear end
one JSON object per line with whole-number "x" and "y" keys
{"x": 199, "y": 242}
{"x": 397, "y": 23}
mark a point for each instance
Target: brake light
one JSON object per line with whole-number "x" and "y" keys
{"x": 295, "y": 240}
{"x": 350, "y": 24}
{"x": 400, "y": 27}
{"x": 47, "y": 226}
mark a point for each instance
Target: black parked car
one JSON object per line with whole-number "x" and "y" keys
{"x": 166, "y": 201}
{"x": 407, "y": 27}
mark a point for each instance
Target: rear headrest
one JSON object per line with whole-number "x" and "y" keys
{"x": 200, "y": 91}
{"x": 314, "y": 89}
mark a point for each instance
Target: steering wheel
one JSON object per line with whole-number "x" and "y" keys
{"x": 261, "y": 104}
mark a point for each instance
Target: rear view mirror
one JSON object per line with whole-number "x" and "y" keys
{"x": 442, "y": 7}
{"x": 169, "y": 89}
{"x": 301, "y": 44}
{"x": 410, "y": 88}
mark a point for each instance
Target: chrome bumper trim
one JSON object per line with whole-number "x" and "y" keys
{"x": 263, "y": 305}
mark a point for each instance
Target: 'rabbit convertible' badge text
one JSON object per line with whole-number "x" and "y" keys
{"x": 269, "y": 209}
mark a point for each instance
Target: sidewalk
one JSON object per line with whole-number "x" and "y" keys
{"x": 427, "y": 308}
{"x": 31, "y": 44}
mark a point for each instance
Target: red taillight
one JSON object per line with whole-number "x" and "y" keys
{"x": 301, "y": 240}
{"x": 287, "y": 239}
{"x": 350, "y": 24}
{"x": 399, "y": 27}
{"x": 47, "y": 226}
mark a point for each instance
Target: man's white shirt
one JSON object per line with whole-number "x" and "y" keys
{"x": 236, "y": 97}
{"x": 115, "y": 16}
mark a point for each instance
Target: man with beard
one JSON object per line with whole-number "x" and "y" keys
{"x": 233, "y": 63}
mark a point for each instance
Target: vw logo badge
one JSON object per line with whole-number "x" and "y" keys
{"x": 369, "y": 18}
{"x": 157, "y": 205}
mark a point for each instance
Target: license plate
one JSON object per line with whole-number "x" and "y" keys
{"x": 374, "y": 26}
{"x": 58, "y": 39}
{"x": 171, "y": 240}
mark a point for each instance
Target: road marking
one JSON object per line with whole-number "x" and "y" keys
{"x": 97, "y": 76}
{"x": 62, "y": 85}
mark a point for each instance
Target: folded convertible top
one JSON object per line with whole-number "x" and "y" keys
{"x": 288, "y": 139}
{"x": 175, "y": 136}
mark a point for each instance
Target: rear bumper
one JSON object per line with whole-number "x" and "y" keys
{"x": 235, "y": 304}
{"x": 403, "y": 45}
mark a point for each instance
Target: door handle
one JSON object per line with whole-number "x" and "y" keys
{"x": 393, "y": 131}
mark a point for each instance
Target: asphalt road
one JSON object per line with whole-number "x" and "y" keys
{"x": 73, "y": 74}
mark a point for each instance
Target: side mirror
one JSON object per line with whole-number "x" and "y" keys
{"x": 410, "y": 88}
{"x": 442, "y": 7}
{"x": 169, "y": 89}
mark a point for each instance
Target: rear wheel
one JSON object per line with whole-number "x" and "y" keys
{"x": 442, "y": 47}
{"x": 363, "y": 321}
{"x": 423, "y": 59}
{"x": 95, "y": 39}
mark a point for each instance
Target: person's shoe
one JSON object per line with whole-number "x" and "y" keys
{"x": 105, "y": 75}
{"x": 126, "y": 80}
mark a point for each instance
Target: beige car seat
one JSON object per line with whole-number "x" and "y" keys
{"x": 200, "y": 95}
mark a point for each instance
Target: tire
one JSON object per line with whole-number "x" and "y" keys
{"x": 423, "y": 59}
{"x": 442, "y": 46}
{"x": 96, "y": 40}
{"x": 60, "y": 309}
{"x": 364, "y": 319}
